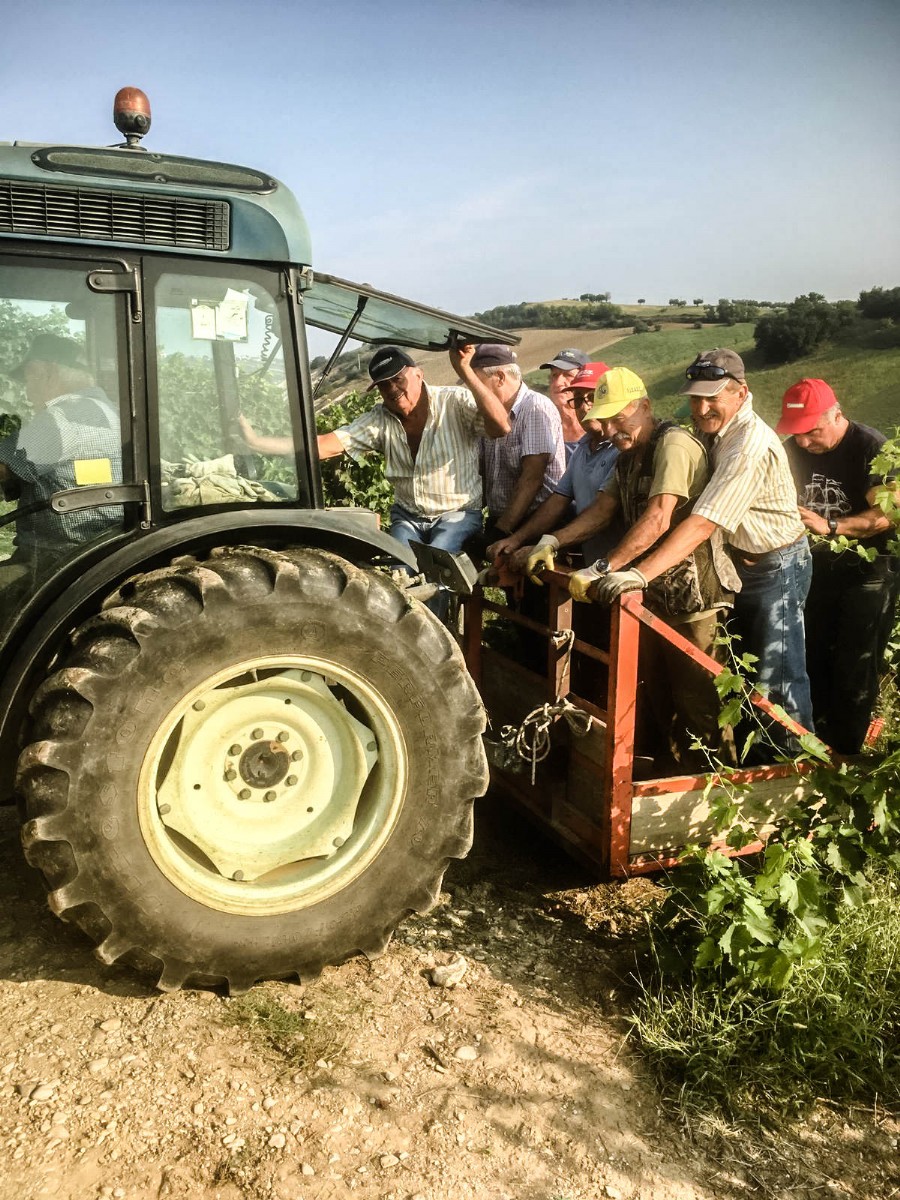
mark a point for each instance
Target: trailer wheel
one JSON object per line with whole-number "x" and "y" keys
{"x": 251, "y": 766}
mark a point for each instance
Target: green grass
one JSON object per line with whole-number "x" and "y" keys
{"x": 863, "y": 368}
{"x": 833, "y": 1032}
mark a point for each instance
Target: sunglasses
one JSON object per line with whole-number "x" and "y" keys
{"x": 582, "y": 400}
{"x": 709, "y": 371}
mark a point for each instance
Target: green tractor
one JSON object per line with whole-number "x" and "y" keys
{"x": 241, "y": 747}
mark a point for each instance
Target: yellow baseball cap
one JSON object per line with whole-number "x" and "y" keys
{"x": 615, "y": 391}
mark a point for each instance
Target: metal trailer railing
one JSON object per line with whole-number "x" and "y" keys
{"x": 584, "y": 792}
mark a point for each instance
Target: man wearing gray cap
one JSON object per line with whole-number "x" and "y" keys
{"x": 751, "y": 497}
{"x": 563, "y": 368}
{"x": 522, "y": 468}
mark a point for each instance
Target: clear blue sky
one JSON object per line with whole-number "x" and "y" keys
{"x": 476, "y": 153}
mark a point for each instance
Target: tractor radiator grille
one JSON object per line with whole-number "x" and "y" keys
{"x": 101, "y": 216}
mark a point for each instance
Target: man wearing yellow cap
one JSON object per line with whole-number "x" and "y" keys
{"x": 660, "y": 471}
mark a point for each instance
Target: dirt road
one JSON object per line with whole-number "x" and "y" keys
{"x": 516, "y": 1083}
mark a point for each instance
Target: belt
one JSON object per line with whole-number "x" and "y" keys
{"x": 749, "y": 556}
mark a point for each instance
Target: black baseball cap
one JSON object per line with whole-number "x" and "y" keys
{"x": 388, "y": 362}
{"x": 567, "y": 360}
{"x": 493, "y": 354}
{"x": 51, "y": 348}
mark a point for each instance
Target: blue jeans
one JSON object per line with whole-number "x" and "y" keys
{"x": 768, "y": 615}
{"x": 449, "y": 532}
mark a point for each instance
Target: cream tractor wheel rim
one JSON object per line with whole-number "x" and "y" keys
{"x": 272, "y": 785}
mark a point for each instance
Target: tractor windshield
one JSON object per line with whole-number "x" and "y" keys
{"x": 61, "y": 425}
{"x": 223, "y": 387}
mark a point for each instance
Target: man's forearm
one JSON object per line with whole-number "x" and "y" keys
{"x": 678, "y": 545}
{"x": 329, "y": 445}
{"x": 544, "y": 519}
{"x": 527, "y": 486}
{"x": 865, "y": 524}
{"x": 589, "y": 521}
{"x": 493, "y": 412}
{"x": 648, "y": 529}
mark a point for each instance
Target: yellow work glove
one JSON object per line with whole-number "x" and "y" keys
{"x": 542, "y": 558}
{"x": 580, "y": 582}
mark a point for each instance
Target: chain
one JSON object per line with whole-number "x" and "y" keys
{"x": 531, "y": 739}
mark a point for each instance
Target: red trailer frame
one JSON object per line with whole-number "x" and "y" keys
{"x": 602, "y": 833}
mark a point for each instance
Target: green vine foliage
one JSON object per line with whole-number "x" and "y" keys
{"x": 344, "y": 480}
{"x": 747, "y": 924}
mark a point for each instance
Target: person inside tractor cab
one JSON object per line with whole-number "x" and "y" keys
{"x": 660, "y": 471}
{"x": 72, "y": 439}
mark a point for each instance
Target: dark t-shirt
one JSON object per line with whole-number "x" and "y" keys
{"x": 835, "y": 484}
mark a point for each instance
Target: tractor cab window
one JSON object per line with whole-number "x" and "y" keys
{"x": 225, "y": 433}
{"x": 60, "y": 423}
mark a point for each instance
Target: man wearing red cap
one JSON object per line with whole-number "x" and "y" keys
{"x": 850, "y": 606}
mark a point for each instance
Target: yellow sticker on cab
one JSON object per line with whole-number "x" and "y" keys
{"x": 92, "y": 470}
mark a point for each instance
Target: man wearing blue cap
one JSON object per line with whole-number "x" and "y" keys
{"x": 563, "y": 368}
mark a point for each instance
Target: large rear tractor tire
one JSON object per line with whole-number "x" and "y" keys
{"x": 250, "y": 766}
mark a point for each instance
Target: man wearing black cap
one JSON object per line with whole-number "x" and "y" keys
{"x": 73, "y": 438}
{"x": 563, "y": 368}
{"x": 751, "y": 497}
{"x": 429, "y": 437}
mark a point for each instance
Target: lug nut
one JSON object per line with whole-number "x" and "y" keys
{"x": 234, "y": 750}
{"x": 244, "y": 794}
{"x": 230, "y": 774}
{"x": 199, "y": 705}
{"x": 257, "y": 735}
{"x": 291, "y": 780}
{"x": 296, "y": 755}
{"x": 238, "y": 876}
{"x": 283, "y": 736}
{"x": 164, "y": 808}
{"x": 270, "y": 796}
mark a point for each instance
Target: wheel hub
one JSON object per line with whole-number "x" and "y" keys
{"x": 263, "y": 764}
{"x": 266, "y": 774}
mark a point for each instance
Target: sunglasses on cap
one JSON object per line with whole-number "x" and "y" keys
{"x": 709, "y": 371}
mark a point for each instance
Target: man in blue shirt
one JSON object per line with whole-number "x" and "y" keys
{"x": 589, "y": 467}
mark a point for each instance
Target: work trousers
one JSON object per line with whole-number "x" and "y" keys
{"x": 678, "y": 701}
{"x": 447, "y": 532}
{"x": 768, "y": 617}
{"x": 849, "y": 614}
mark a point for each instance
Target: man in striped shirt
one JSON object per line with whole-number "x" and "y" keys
{"x": 429, "y": 437}
{"x": 751, "y": 497}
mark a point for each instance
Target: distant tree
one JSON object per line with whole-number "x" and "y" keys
{"x": 880, "y": 302}
{"x": 729, "y": 312}
{"x": 803, "y": 325}
{"x": 642, "y": 301}
{"x": 641, "y": 327}
{"x": 676, "y": 303}
{"x": 698, "y": 301}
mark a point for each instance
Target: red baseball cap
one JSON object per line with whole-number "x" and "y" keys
{"x": 802, "y": 405}
{"x": 589, "y": 375}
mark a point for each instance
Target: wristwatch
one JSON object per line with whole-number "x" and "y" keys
{"x": 601, "y": 566}
{"x": 832, "y": 527}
